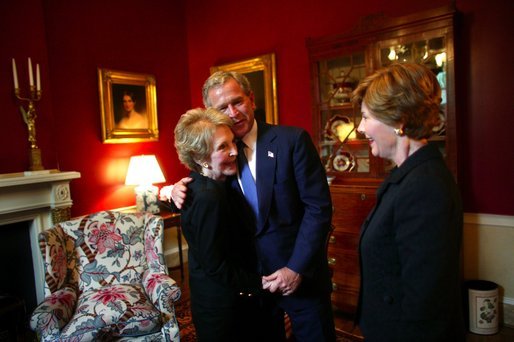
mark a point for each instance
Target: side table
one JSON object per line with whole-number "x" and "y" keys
{"x": 173, "y": 220}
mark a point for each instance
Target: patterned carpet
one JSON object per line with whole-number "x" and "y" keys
{"x": 187, "y": 329}
{"x": 185, "y": 322}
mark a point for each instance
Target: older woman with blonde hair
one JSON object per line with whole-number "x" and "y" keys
{"x": 410, "y": 243}
{"x": 221, "y": 254}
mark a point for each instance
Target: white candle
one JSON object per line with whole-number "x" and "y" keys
{"x": 38, "y": 81}
{"x": 14, "y": 74}
{"x": 31, "y": 76}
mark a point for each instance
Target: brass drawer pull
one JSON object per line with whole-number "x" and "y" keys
{"x": 363, "y": 197}
{"x": 332, "y": 261}
{"x": 334, "y": 286}
{"x": 332, "y": 239}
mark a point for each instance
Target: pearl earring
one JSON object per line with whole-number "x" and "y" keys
{"x": 399, "y": 132}
{"x": 205, "y": 165}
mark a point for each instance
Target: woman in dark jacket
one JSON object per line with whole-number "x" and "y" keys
{"x": 221, "y": 254}
{"x": 410, "y": 243}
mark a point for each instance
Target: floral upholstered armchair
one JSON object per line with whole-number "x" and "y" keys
{"x": 106, "y": 279}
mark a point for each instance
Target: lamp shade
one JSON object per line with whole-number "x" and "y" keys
{"x": 144, "y": 170}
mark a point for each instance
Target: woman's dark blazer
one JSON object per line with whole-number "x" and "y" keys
{"x": 221, "y": 257}
{"x": 410, "y": 255}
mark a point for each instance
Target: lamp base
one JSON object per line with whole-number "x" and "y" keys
{"x": 147, "y": 199}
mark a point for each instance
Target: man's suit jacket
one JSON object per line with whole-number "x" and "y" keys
{"x": 295, "y": 208}
{"x": 410, "y": 255}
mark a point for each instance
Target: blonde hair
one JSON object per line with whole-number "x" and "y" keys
{"x": 403, "y": 93}
{"x": 194, "y": 134}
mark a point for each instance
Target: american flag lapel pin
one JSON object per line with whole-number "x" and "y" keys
{"x": 270, "y": 154}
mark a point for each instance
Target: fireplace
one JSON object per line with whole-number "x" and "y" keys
{"x": 34, "y": 201}
{"x": 17, "y": 275}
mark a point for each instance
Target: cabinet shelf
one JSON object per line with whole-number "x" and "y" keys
{"x": 339, "y": 107}
{"x": 438, "y": 138}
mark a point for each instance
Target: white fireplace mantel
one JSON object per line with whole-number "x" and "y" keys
{"x": 42, "y": 198}
{"x": 27, "y": 191}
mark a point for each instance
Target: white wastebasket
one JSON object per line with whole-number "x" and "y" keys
{"x": 483, "y": 307}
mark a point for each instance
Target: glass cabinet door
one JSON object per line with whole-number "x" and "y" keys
{"x": 342, "y": 149}
{"x": 430, "y": 51}
{"x": 340, "y": 62}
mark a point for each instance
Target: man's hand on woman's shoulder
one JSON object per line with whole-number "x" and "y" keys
{"x": 177, "y": 193}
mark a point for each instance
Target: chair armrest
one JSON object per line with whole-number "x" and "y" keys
{"x": 52, "y": 315}
{"x": 162, "y": 290}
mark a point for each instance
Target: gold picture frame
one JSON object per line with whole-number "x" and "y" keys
{"x": 128, "y": 104}
{"x": 261, "y": 73}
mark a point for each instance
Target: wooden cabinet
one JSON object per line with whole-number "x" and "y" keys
{"x": 351, "y": 205}
{"x": 337, "y": 64}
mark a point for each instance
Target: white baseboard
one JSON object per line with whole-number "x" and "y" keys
{"x": 489, "y": 220}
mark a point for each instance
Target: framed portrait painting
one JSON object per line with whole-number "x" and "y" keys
{"x": 128, "y": 106}
{"x": 260, "y": 71}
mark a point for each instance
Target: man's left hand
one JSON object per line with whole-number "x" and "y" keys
{"x": 284, "y": 280}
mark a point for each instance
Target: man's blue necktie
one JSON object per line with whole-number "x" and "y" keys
{"x": 249, "y": 188}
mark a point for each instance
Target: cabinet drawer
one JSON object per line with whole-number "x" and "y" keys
{"x": 345, "y": 298}
{"x": 344, "y": 262}
{"x": 343, "y": 241}
{"x": 351, "y": 208}
{"x": 346, "y": 279}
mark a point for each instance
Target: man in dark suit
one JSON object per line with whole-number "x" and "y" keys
{"x": 293, "y": 215}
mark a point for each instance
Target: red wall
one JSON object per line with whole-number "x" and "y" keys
{"x": 22, "y": 33}
{"x": 70, "y": 40}
{"x": 486, "y": 112}
{"x": 178, "y": 41}
{"x": 238, "y": 30}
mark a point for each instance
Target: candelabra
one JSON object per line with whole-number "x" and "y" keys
{"x": 29, "y": 115}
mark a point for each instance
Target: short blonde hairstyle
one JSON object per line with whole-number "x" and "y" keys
{"x": 221, "y": 77}
{"x": 403, "y": 93}
{"x": 194, "y": 133}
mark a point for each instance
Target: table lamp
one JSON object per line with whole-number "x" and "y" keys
{"x": 143, "y": 171}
